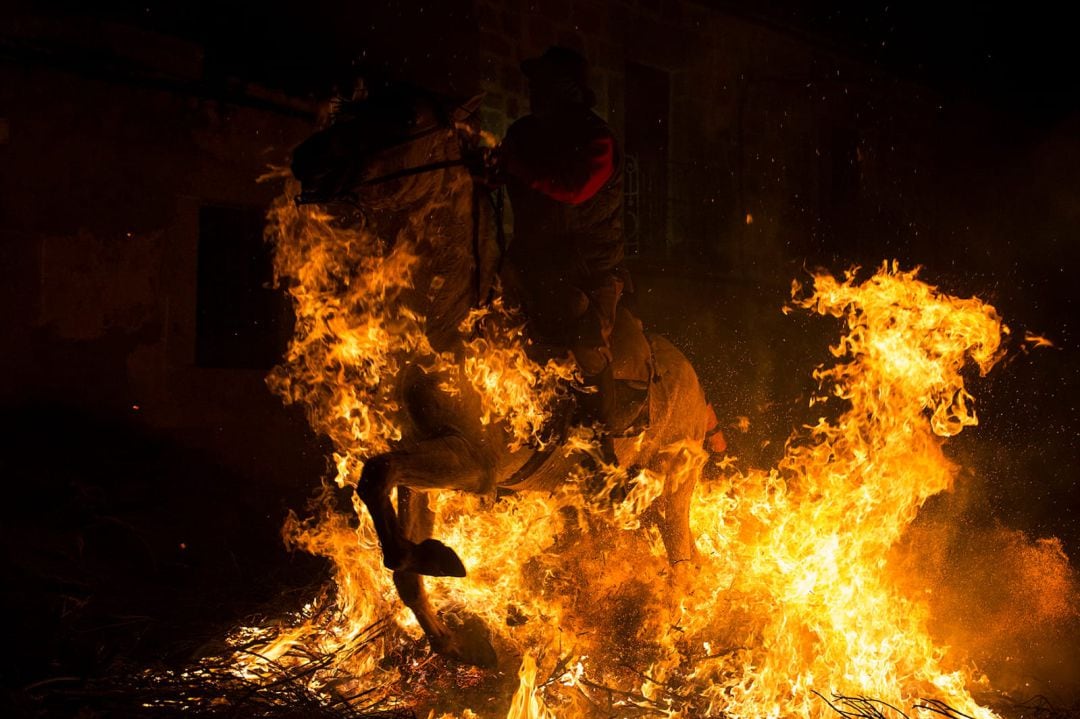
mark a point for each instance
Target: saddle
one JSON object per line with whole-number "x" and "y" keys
{"x": 634, "y": 371}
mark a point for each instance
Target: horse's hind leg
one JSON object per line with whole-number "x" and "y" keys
{"x": 441, "y": 463}
{"x": 468, "y": 642}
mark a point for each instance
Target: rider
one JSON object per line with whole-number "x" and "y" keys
{"x": 561, "y": 165}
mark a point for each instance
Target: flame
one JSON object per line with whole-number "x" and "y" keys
{"x": 527, "y": 703}
{"x": 1037, "y": 341}
{"x": 791, "y": 596}
{"x": 352, "y": 331}
{"x": 803, "y": 547}
{"x": 514, "y": 388}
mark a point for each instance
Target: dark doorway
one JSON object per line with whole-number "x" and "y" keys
{"x": 648, "y": 112}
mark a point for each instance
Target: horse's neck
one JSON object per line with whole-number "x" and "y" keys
{"x": 447, "y": 282}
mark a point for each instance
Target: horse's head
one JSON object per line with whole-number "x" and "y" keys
{"x": 383, "y": 152}
{"x": 400, "y": 157}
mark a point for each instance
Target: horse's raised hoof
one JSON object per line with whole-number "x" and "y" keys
{"x": 432, "y": 558}
{"x": 468, "y": 642}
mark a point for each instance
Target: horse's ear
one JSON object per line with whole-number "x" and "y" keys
{"x": 463, "y": 112}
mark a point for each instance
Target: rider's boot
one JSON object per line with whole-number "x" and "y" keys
{"x": 598, "y": 409}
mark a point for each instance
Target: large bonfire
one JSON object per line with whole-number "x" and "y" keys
{"x": 793, "y": 602}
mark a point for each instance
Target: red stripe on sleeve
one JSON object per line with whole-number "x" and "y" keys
{"x": 601, "y": 165}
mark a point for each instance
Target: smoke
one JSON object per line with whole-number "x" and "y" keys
{"x": 1000, "y": 599}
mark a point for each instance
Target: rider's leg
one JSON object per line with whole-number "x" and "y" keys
{"x": 592, "y": 350}
{"x": 598, "y": 409}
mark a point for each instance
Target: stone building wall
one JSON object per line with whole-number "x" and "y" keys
{"x": 114, "y": 146}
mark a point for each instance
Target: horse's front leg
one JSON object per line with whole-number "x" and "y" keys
{"x": 466, "y": 640}
{"x": 447, "y": 462}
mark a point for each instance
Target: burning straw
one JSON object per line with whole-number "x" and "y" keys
{"x": 213, "y": 687}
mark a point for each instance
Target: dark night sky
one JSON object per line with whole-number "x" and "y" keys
{"x": 1004, "y": 53}
{"x": 1018, "y": 57}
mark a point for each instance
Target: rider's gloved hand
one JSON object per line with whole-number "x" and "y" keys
{"x": 485, "y": 166}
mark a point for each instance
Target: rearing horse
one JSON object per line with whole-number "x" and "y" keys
{"x": 402, "y": 153}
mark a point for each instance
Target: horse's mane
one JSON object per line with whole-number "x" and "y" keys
{"x": 393, "y": 105}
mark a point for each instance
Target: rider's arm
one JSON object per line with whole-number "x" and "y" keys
{"x": 563, "y": 169}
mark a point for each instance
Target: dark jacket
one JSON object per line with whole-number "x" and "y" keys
{"x": 564, "y": 180}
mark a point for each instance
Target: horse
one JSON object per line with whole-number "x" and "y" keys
{"x": 404, "y": 158}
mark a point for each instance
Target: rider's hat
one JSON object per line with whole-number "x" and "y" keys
{"x": 563, "y": 70}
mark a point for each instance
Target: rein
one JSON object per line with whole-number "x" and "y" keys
{"x": 305, "y": 198}
{"x": 418, "y": 170}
